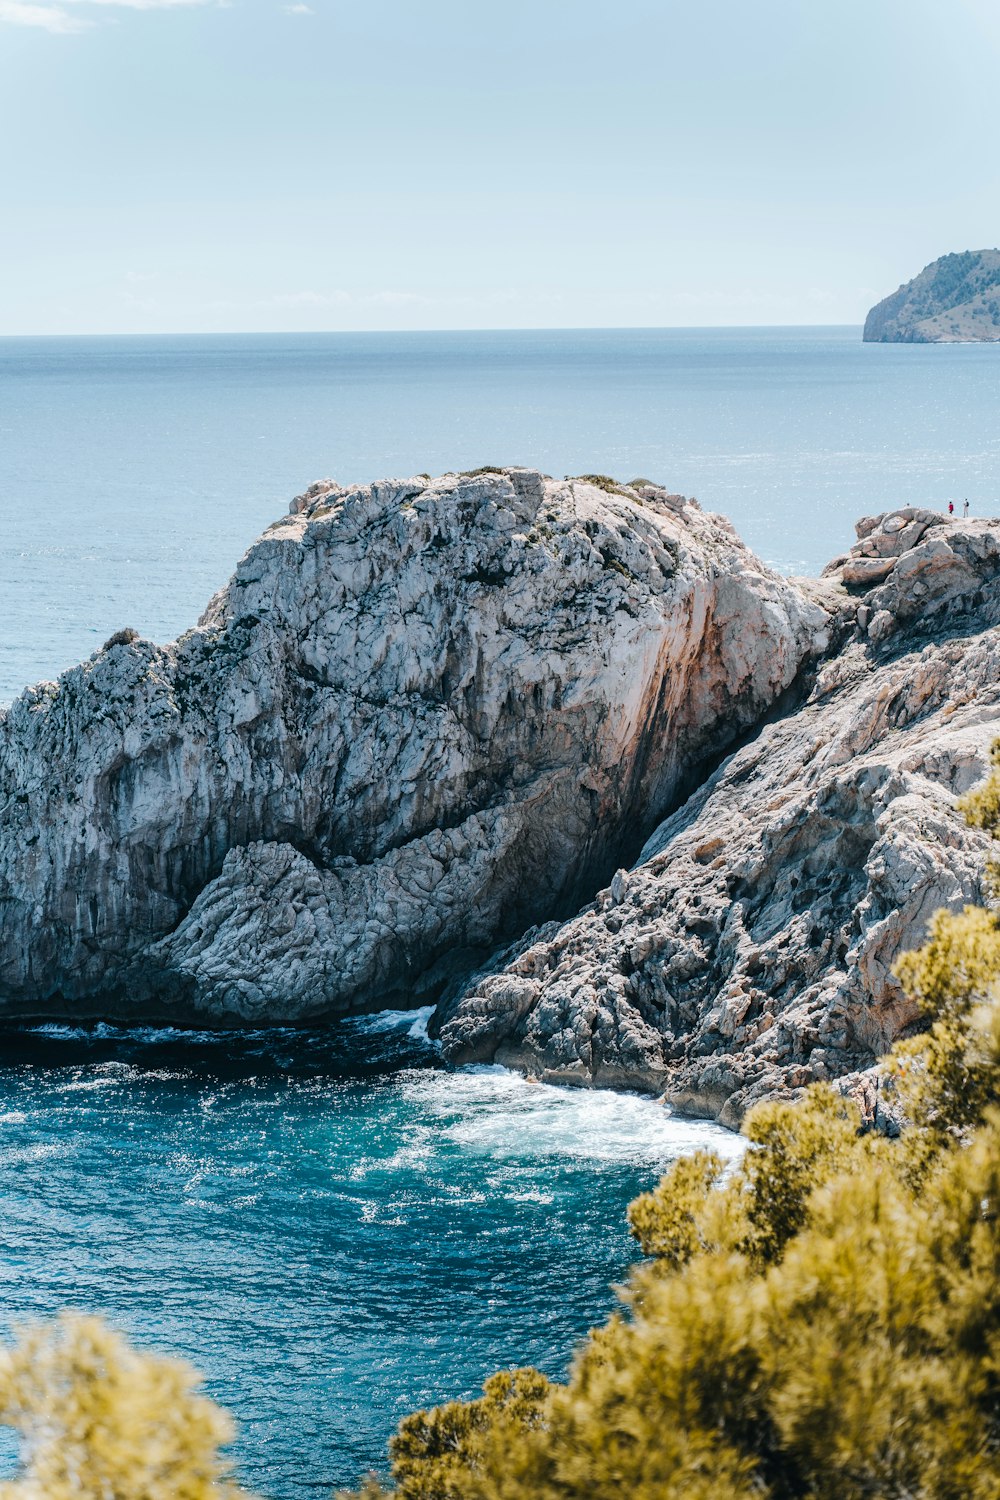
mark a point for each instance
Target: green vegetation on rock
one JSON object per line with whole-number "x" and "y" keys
{"x": 603, "y": 482}
{"x": 954, "y": 299}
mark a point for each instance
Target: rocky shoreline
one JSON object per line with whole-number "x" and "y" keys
{"x": 427, "y": 715}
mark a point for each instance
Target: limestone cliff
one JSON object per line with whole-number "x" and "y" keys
{"x": 748, "y": 952}
{"x": 955, "y": 299}
{"x": 422, "y": 715}
{"x": 425, "y": 715}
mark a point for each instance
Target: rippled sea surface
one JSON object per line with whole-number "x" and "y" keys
{"x": 332, "y": 1226}
{"x": 134, "y": 472}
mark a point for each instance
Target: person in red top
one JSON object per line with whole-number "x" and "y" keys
{"x": 951, "y": 507}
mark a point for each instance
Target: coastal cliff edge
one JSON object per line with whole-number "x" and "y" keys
{"x": 429, "y": 718}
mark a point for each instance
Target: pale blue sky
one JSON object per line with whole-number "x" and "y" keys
{"x": 171, "y": 165}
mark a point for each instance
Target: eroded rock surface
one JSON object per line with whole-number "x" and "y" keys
{"x": 422, "y": 714}
{"x": 749, "y": 951}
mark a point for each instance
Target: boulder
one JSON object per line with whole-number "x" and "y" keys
{"x": 866, "y": 571}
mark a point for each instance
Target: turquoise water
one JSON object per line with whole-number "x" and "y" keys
{"x": 335, "y": 1229}
{"x": 331, "y": 1225}
{"x": 133, "y": 472}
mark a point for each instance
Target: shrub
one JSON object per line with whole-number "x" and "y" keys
{"x": 815, "y": 1326}
{"x": 981, "y": 806}
{"x": 100, "y": 1420}
{"x": 602, "y": 482}
{"x": 608, "y": 485}
{"x": 121, "y": 638}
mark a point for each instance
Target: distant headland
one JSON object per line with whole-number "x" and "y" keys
{"x": 954, "y": 299}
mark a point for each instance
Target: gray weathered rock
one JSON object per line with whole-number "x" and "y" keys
{"x": 420, "y": 716}
{"x": 750, "y": 951}
{"x": 917, "y": 565}
{"x": 424, "y": 715}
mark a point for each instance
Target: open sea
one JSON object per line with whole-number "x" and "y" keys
{"x": 333, "y": 1226}
{"x": 135, "y": 471}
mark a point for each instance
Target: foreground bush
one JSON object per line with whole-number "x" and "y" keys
{"x": 100, "y": 1421}
{"x": 821, "y": 1324}
{"x": 825, "y": 1324}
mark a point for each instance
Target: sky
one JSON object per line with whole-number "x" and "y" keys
{"x": 226, "y": 165}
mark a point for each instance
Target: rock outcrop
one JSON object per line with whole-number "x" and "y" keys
{"x": 955, "y": 299}
{"x": 748, "y": 952}
{"x": 425, "y": 715}
{"x": 420, "y": 716}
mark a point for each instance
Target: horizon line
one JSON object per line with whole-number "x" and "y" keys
{"x": 395, "y": 332}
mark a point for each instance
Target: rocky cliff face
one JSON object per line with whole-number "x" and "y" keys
{"x": 748, "y": 952}
{"x": 954, "y": 299}
{"x": 421, "y": 716}
{"x": 425, "y": 715}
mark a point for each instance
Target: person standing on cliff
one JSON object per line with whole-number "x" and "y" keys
{"x": 965, "y": 510}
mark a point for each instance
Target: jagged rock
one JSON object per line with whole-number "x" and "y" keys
{"x": 751, "y": 952}
{"x": 421, "y": 715}
{"x": 903, "y": 527}
{"x": 425, "y": 714}
{"x": 881, "y": 625}
{"x": 915, "y": 563}
{"x": 866, "y": 570}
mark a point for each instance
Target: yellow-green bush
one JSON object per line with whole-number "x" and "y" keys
{"x": 821, "y": 1324}
{"x": 101, "y": 1421}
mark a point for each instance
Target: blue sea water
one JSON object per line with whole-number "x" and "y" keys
{"x": 330, "y": 1224}
{"x": 134, "y": 471}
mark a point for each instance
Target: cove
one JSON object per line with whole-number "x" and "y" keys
{"x": 334, "y": 1227}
